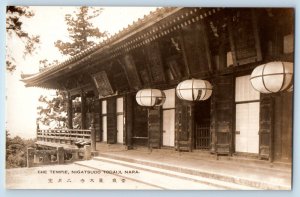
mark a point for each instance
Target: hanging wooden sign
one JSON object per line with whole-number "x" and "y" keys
{"x": 131, "y": 72}
{"x": 244, "y": 39}
{"x": 196, "y": 49}
{"x": 156, "y": 64}
{"x": 120, "y": 81}
{"x": 102, "y": 83}
{"x": 174, "y": 70}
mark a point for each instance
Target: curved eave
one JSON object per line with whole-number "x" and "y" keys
{"x": 153, "y": 18}
{"x": 139, "y": 25}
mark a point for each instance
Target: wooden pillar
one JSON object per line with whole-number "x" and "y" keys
{"x": 70, "y": 112}
{"x": 213, "y": 118}
{"x": 93, "y": 133}
{"x": 83, "y": 111}
{"x": 266, "y": 121}
{"x": 129, "y": 120}
{"x": 192, "y": 125}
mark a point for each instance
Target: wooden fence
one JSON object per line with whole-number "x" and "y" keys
{"x": 64, "y": 136}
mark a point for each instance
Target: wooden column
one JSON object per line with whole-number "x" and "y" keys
{"x": 129, "y": 120}
{"x": 266, "y": 121}
{"x": 213, "y": 119}
{"x": 83, "y": 110}
{"x": 93, "y": 129}
{"x": 70, "y": 112}
{"x": 93, "y": 134}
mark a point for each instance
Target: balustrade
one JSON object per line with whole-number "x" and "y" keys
{"x": 65, "y": 136}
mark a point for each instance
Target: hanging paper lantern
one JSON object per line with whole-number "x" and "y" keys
{"x": 194, "y": 90}
{"x": 272, "y": 77}
{"x": 150, "y": 97}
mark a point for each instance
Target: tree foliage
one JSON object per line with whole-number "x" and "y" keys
{"x": 82, "y": 33}
{"x": 14, "y": 27}
{"x": 16, "y": 151}
{"x": 46, "y": 64}
{"x": 52, "y": 111}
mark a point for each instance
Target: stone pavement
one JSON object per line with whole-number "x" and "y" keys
{"x": 249, "y": 172}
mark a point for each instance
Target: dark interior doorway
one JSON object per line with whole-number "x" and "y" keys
{"x": 140, "y": 125}
{"x": 202, "y": 125}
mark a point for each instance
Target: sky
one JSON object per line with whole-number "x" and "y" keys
{"x": 48, "y": 22}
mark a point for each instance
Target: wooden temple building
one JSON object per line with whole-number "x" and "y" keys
{"x": 218, "y": 46}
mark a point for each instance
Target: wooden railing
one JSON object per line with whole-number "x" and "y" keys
{"x": 64, "y": 136}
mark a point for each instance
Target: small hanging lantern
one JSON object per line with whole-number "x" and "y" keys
{"x": 194, "y": 90}
{"x": 150, "y": 97}
{"x": 272, "y": 77}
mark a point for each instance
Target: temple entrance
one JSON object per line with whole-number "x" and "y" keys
{"x": 140, "y": 125}
{"x": 202, "y": 125}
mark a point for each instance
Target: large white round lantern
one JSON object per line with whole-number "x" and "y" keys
{"x": 272, "y": 77}
{"x": 194, "y": 90}
{"x": 150, "y": 97}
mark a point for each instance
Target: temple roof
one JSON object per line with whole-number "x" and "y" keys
{"x": 126, "y": 40}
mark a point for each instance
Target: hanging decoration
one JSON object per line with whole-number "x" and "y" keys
{"x": 272, "y": 77}
{"x": 150, "y": 97}
{"x": 194, "y": 90}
